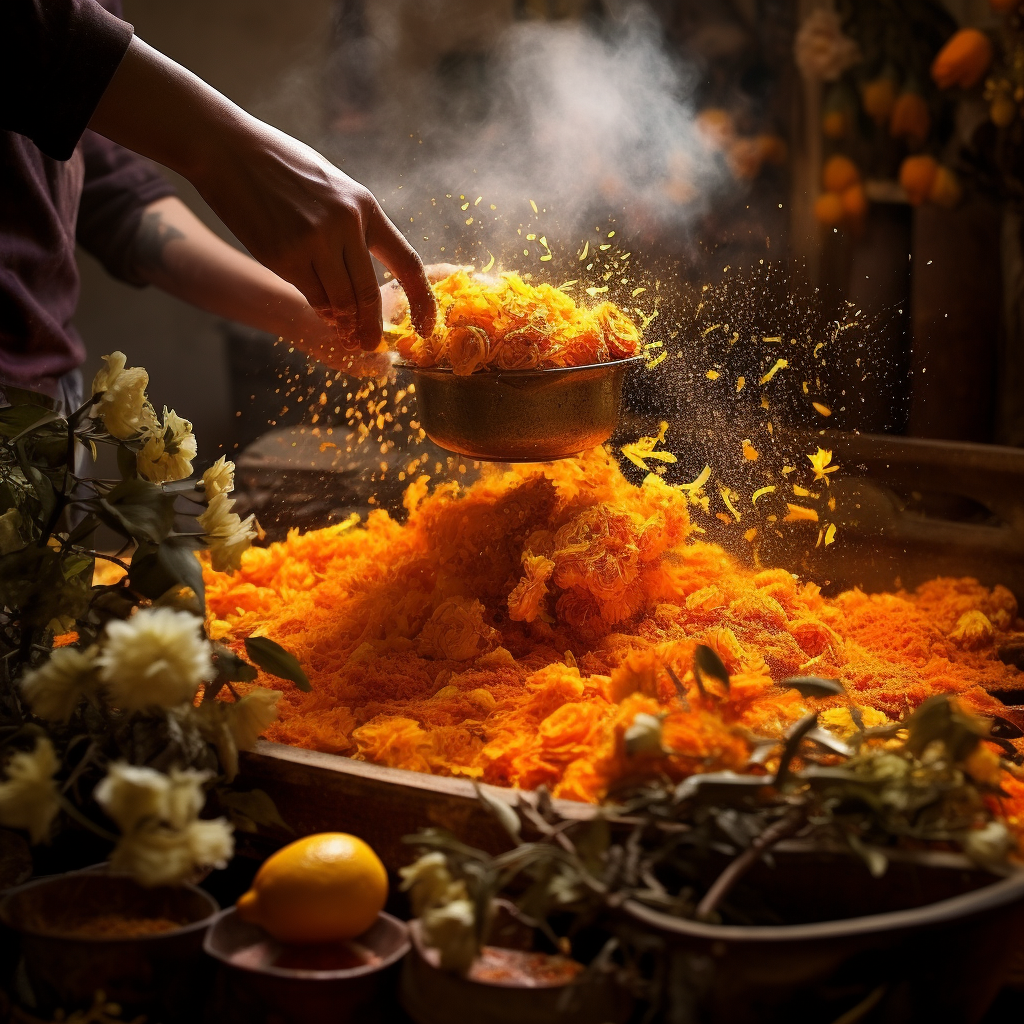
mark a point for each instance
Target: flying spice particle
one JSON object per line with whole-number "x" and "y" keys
{"x": 750, "y": 453}
{"x": 823, "y": 409}
{"x": 760, "y": 492}
{"x": 489, "y": 264}
{"x": 798, "y": 513}
{"x": 830, "y": 534}
{"x": 740, "y": 382}
{"x": 534, "y": 205}
{"x": 712, "y": 375}
{"x": 655, "y": 362}
{"x": 780, "y": 364}
{"x": 726, "y": 496}
{"x": 586, "y": 249}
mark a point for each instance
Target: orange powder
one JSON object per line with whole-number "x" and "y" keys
{"x": 511, "y": 631}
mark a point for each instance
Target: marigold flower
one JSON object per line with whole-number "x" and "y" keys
{"x": 964, "y": 59}
{"x": 169, "y": 449}
{"x": 821, "y": 463}
{"x": 157, "y": 658}
{"x": 219, "y": 478}
{"x": 61, "y": 683}
{"x": 455, "y": 631}
{"x": 227, "y": 534}
{"x": 28, "y": 796}
{"x": 123, "y": 406}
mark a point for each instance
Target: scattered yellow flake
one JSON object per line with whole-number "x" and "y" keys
{"x": 712, "y": 375}
{"x": 476, "y": 202}
{"x": 638, "y": 291}
{"x": 655, "y": 362}
{"x": 798, "y": 513}
{"x": 534, "y": 205}
{"x": 324, "y": 445}
{"x": 760, "y": 492}
{"x": 489, "y": 264}
{"x": 764, "y": 402}
{"x": 817, "y": 349}
{"x": 604, "y": 247}
{"x": 830, "y": 534}
{"x": 469, "y": 220}
{"x": 611, "y": 234}
{"x": 645, "y": 321}
{"x": 597, "y": 291}
{"x": 750, "y": 453}
{"x": 708, "y": 330}
{"x": 817, "y": 543}
{"x": 823, "y": 409}
{"x": 820, "y": 461}
{"x": 544, "y": 259}
{"x": 805, "y": 388}
{"x": 832, "y": 503}
{"x": 735, "y": 337}
{"x": 772, "y": 339}
{"x": 780, "y": 364}
{"x": 465, "y": 206}
{"x": 653, "y": 344}
{"x": 698, "y": 484}
{"x": 586, "y": 249}
{"x": 726, "y": 496}
{"x": 544, "y": 241}
{"x": 740, "y": 382}
{"x": 723, "y": 517}
{"x": 643, "y": 448}
{"x": 786, "y": 470}
{"x": 749, "y": 535}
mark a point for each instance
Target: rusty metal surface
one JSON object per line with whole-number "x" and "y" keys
{"x": 521, "y": 415}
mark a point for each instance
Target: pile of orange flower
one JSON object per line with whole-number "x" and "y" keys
{"x": 505, "y": 322}
{"x": 511, "y": 632}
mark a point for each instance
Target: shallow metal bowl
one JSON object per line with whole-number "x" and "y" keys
{"x": 520, "y": 415}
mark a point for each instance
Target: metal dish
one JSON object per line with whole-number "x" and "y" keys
{"x": 520, "y": 415}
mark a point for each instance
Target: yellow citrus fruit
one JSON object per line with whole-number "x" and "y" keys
{"x": 322, "y": 888}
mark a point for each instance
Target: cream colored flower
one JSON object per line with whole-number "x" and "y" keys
{"x": 227, "y": 534}
{"x": 169, "y": 449}
{"x": 219, "y": 478}
{"x": 451, "y": 930}
{"x": 821, "y": 49}
{"x": 249, "y": 718}
{"x": 28, "y": 796}
{"x": 10, "y": 532}
{"x": 212, "y": 719}
{"x": 430, "y": 884}
{"x": 456, "y": 631}
{"x": 157, "y": 658}
{"x": 163, "y": 842}
{"x": 123, "y": 407}
{"x": 61, "y": 683}
{"x": 643, "y": 737}
{"x": 131, "y": 795}
{"x": 990, "y": 844}
{"x": 156, "y": 855}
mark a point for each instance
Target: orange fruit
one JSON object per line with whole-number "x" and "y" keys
{"x": 910, "y": 118}
{"x": 963, "y": 60}
{"x": 835, "y": 124}
{"x": 839, "y": 173}
{"x": 946, "y": 189}
{"x": 917, "y": 175}
{"x": 322, "y": 888}
{"x": 828, "y": 209}
{"x": 855, "y": 202}
{"x": 879, "y": 97}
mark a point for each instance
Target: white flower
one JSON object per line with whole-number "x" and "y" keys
{"x": 989, "y": 845}
{"x": 162, "y": 840}
{"x": 430, "y": 884}
{"x": 643, "y": 737}
{"x": 219, "y": 478}
{"x": 157, "y": 855}
{"x": 10, "y": 532}
{"x": 158, "y": 658}
{"x": 61, "y": 683}
{"x": 227, "y": 534}
{"x": 131, "y": 795}
{"x": 821, "y": 49}
{"x": 249, "y": 717}
{"x": 123, "y": 407}
{"x": 28, "y": 797}
{"x": 169, "y": 449}
{"x": 451, "y": 930}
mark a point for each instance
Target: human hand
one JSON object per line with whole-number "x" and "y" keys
{"x": 395, "y": 303}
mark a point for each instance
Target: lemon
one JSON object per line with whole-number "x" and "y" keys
{"x": 322, "y": 888}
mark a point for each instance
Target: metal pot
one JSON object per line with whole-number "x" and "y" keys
{"x": 520, "y": 415}
{"x": 927, "y": 942}
{"x": 160, "y": 975}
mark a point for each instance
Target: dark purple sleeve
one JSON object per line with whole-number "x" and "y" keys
{"x": 119, "y": 185}
{"x": 56, "y": 59}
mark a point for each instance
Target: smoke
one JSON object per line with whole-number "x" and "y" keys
{"x": 589, "y": 120}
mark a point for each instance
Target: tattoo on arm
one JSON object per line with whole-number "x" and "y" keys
{"x": 150, "y": 241}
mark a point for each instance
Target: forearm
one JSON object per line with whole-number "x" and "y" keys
{"x": 179, "y": 254}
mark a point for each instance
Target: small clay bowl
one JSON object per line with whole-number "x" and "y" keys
{"x": 433, "y": 996}
{"x": 159, "y": 974}
{"x": 252, "y": 988}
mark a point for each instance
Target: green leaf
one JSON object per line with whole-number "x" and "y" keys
{"x": 75, "y": 564}
{"x": 19, "y": 397}
{"x": 507, "y": 818}
{"x": 706, "y": 663}
{"x": 813, "y": 686}
{"x": 42, "y": 421}
{"x": 127, "y": 463}
{"x": 273, "y": 658}
{"x": 231, "y": 666}
{"x": 142, "y": 508}
{"x": 13, "y": 421}
{"x": 257, "y": 806}
{"x": 794, "y": 737}
{"x": 177, "y": 556}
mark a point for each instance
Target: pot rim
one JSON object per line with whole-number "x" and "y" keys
{"x": 303, "y": 974}
{"x": 988, "y": 897}
{"x": 485, "y": 375}
{"x": 92, "y": 872}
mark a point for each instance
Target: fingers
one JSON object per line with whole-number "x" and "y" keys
{"x": 391, "y": 247}
{"x": 368, "y": 318}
